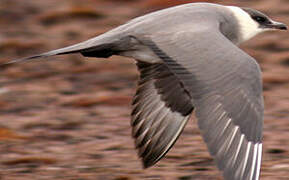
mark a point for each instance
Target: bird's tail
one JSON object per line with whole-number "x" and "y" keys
{"x": 95, "y": 47}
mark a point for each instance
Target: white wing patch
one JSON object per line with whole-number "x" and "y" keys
{"x": 255, "y": 151}
{"x": 259, "y": 159}
{"x": 246, "y": 159}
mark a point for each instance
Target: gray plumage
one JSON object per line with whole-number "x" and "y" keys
{"x": 188, "y": 59}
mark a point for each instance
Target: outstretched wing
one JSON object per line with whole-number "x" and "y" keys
{"x": 226, "y": 90}
{"x": 161, "y": 108}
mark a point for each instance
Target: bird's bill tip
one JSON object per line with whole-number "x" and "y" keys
{"x": 278, "y": 26}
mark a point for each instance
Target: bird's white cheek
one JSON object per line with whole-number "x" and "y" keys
{"x": 248, "y": 33}
{"x": 249, "y": 29}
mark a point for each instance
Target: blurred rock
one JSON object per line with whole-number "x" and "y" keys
{"x": 28, "y": 160}
{"x": 54, "y": 17}
{"x": 7, "y": 134}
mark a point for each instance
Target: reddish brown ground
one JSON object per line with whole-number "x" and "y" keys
{"x": 69, "y": 118}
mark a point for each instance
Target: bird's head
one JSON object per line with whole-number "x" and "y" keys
{"x": 252, "y": 22}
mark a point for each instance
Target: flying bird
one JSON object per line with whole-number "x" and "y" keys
{"x": 188, "y": 58}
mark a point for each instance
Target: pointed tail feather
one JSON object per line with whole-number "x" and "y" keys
{"x": 66, "y": 50}
{"x": 96, "y": 43}
{"x": 95, "y": 47}
{"x": 25, "y": 59}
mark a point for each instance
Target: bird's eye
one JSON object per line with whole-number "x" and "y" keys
{"x": 260, "y": 19}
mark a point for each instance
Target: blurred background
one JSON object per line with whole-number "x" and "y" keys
{"x": 68, "y": 117}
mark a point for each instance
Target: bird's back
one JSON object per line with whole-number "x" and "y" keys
{"x": 192, "y": 15}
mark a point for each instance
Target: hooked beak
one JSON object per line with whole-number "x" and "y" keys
{"x": 277, "y": 25}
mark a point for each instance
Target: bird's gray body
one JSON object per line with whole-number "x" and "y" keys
{"x": 188, "y": 17}
{"x": 188, "y": 60}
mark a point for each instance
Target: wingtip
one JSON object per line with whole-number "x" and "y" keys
{"x": 147, "y": 163}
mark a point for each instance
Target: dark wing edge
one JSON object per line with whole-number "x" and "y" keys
{"x": 229, "y": 105}
{"x": 161, "y": 109}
